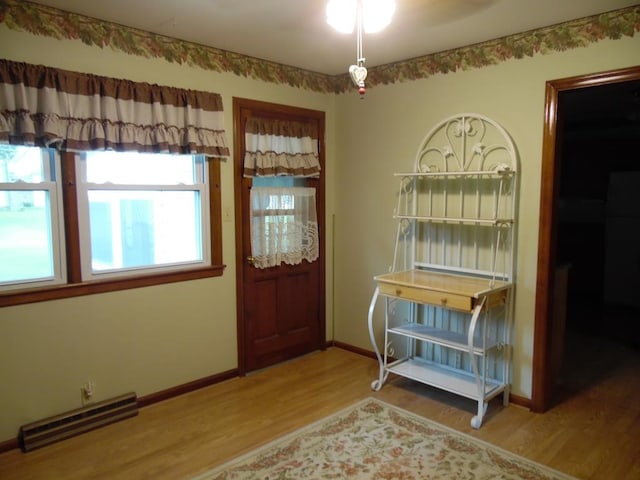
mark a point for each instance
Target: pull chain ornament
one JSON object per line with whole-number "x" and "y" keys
{"x": 358, "y": 72}
{"x": 368, "y": 16}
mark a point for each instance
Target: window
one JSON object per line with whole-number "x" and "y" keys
{"x": 104, "y": 222}
{"x": 128, "y": 219}
{"x": 141, "y": 211}
{"x": 31, "y": 233}
{"x": 284, "y": 225}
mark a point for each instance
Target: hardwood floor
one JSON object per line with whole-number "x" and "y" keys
{"x": 592, "y": 433}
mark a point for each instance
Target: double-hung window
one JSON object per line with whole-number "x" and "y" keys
{"x": 32, "y": 250}
{"x": 141, "y": 212}
{"x": 103, "y": 220}
{"x": 130, "y": 197}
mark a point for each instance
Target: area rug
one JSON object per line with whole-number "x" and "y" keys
{"x": 375, "y": 440}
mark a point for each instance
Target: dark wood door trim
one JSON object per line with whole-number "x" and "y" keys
{"x": 547, "y": 232}
{"x": 241, "y": 106}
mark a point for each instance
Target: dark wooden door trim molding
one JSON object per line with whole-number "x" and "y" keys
{"x": 541, "y": 382}
{"x": 241, "y": 105}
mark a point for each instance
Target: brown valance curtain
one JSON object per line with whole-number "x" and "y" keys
{"x": 281, "y": 147}
{"x": 49, "y": 107}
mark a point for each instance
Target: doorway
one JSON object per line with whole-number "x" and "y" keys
{"x": 280, "y": 309}
{"x": 572, "y": 107}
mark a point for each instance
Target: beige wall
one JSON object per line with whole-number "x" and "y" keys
{"x": 379, "y": 136}
{"x": 154, "y": 338}
{"x": 148, "y": 339}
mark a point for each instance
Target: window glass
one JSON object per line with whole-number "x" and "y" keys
{"x": 141, "y": 211}
{"x": 279, "y": 181}
{"x": 21, "y": 164}
{"x": 139, "y": 217}
{"x": 29, "y": 223}
{"x": 281, "y": 201}
{"x": 133, "y": 168}
{"x": 134, "y": 228}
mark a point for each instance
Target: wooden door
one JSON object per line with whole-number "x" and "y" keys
{"x": 281, "y": 311}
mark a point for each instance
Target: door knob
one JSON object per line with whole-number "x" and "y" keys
{"x": 251, "y": 260}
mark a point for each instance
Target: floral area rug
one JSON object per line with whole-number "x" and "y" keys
{"x": 375, "y": 440}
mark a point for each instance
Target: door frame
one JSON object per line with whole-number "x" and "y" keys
{"x": 547, "y": 230}
{"x": 273, "y": 109}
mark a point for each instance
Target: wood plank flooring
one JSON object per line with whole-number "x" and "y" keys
{"x": 592, "y": 433}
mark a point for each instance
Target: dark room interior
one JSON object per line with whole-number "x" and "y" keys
{"x": 598, "y": 239}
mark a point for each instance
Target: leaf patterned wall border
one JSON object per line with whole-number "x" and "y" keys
{"x": 50, "y": 22}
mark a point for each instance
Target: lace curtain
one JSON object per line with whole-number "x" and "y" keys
{"x": 49, "y": 107}
{"x": 280, "y": 147}
{"x": 284, "y": 226}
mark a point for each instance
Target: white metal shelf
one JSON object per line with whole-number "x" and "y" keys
{"x": 449, "y": 379}
{"x": 446, "y": 338}
{"x": 477, "y": 173}
{"x": 470, "y": 221}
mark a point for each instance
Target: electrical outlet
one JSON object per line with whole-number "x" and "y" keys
{"x": 88, "y": 389}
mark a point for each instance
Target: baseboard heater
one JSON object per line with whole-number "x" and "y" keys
{"x": 59, "y": 427}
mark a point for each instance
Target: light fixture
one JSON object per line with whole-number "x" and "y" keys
{"x": 368, "y": 16}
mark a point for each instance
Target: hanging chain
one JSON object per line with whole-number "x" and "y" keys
{"x": 359, "y": 56}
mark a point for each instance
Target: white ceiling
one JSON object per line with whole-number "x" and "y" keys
{"x": 294, "y": 32}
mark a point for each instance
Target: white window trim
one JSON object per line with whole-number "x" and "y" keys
{"x": 201, "y": 185}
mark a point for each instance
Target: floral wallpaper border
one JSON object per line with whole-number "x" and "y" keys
{"x": 50, "y": 22}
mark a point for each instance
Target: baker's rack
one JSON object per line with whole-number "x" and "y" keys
{"x": 449, "y": 293}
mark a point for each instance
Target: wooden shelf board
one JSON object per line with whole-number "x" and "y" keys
{"x": 473, "y": 287}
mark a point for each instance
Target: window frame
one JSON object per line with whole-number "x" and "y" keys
{"x": 75, "y": 286}
{"x": 84, "y": 187}
{"x": 50, "y": 162}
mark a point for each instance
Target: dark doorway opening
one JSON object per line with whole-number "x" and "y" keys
{"x": 599, "y": 210}
{"x": 591, "y": 122}
{"x": 598, "y": 233}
